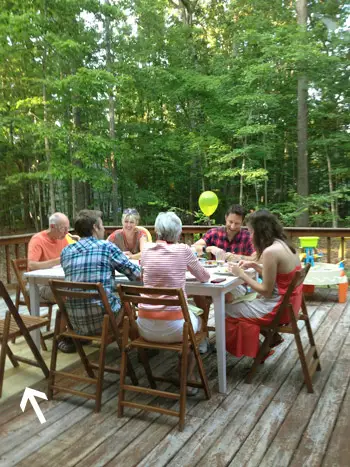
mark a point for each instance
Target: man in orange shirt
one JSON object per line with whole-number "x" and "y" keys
{"x": 44, "y": 249}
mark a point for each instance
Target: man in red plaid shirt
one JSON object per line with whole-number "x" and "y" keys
{"x": 236, "y": 242}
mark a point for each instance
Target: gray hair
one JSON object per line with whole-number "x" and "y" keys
{"x": 55, "y": 218}
{"x": 168, "y": 226}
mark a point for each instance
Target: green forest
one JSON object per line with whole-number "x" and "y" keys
{"x": 110, "y": 104}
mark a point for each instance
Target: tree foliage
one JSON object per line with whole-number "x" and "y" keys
{"x": 204, "y": 96}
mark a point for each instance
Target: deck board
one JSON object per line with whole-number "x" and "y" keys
{"x": 271, "y": 422}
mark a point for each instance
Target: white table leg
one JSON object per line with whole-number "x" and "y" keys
{"x": 34, "y": 308}
{"x": 219, "y": 311}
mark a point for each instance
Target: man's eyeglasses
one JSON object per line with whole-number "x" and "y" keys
{"x": 130, "y": 211}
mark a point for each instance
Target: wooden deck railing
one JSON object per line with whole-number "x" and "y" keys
{"x": 16, "y": 246}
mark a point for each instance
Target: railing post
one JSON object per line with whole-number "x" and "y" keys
{"x": 328, "y": 249}
{"x": 8, "y": 263}
{"x": 342, "y": 248}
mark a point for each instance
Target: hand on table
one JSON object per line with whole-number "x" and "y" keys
{"x": 235, "y": 269}
{"x": 246, "y": 264}
{"x": 214, "y": 250}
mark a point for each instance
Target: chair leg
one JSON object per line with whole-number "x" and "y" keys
{"x": 301, "y": 353}
{"x": 11, "y": 356}
{"x": 101, "y": 363}
{"x": 264, "y": 348}
{"x": 83, "y": 358}
{"x": 202, "y": 373}
{"x": 54, "y": 351}
{"x": 49, "y": 315}
{"x": 131, "y": 372}
{"x": 183, "y": 377}
{"x": 145, "y": 361}
{"x": 123, "y": 365}
{"x": 3, "y": 349}
{"x": 310, "y": 333}
{"x": 42, "y": 342}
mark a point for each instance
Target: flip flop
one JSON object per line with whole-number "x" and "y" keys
{"x": 267, "y": 356}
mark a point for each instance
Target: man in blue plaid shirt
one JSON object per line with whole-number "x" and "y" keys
{"x": 93, "y": 259}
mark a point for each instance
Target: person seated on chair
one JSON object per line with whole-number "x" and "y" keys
{"x": 280, "y": 261}
{"x": 93, "y": 259}
{"x": 45, "y": 248}
{"x": 164, "y": 264}
{"x": 129, "y": 239}
{"x": 231, "y": 238}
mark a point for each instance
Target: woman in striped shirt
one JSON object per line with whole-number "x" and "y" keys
{"x": 164, "y": 264}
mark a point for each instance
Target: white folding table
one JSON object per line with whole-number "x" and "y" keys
{"x": 216, "y": 291}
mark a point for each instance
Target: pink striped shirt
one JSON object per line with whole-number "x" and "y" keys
{"x": 165, "y": 265}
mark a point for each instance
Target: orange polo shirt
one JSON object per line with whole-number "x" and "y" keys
{"x": 42, "y": 248}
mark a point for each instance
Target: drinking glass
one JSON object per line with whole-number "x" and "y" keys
{"x": 220, "y": 257}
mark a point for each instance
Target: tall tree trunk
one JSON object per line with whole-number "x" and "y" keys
{"x": 40, "y": 205}
{"x": 265, "y": 185}
{"x": 334, "y": 209}
{"x": 46, "y": 139}
{"x": 303, "y": 175}
{"x": 111, "y": 112}
{"x": 79, "y": 189}
{"x": 241, "y": 182}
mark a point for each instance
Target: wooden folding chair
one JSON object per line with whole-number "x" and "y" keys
{"x": 15, "y": 325}
{"x": 309, "y": 362}
{"x": 20, "y": 266}
{"x": 131, "y": 295}
{"x": 63, "y": 290}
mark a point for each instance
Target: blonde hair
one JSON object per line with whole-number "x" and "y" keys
{"x": 131, "y": 214}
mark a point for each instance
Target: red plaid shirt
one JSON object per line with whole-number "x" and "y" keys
{"x": 241, "y": 243}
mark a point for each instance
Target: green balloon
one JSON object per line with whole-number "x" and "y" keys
{"x": 208, "y": 202}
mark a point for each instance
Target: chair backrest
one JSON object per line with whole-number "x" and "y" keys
{"x": 135, "y": 295}
{"x": 20, "y": 265}
{"x": 84, "y": 291}
{"x": 297, "y": 280}
{"x": 147, "y": 232}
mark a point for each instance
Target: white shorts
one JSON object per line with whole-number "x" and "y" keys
{"x": 169, "y": 332}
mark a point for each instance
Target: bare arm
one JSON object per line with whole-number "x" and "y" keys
{"x": 143, "y": 241}
{"x": 233, "y": 257}
{"x": 269, "y": 273}
{"x": 199, "y": 244}
{"x": 34, "y": 265}
{"x": 250, "y": 264}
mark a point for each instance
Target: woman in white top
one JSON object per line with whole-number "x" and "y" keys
{"x": 164, "y": 264}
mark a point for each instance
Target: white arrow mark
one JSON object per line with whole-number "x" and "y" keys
{"x": 30, "y": 394}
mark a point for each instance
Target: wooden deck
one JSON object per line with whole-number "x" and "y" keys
{"x": 272, "y": 422}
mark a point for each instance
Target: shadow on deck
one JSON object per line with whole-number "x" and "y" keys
{"x": 272, "y": 422}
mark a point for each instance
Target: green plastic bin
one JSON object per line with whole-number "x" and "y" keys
{"x": 308, "y": 242}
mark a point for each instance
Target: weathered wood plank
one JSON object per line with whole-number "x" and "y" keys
{"x": 253, "y": 449}
{"x": 338, "y": 450}
{"x": 314, "y": 442}
{"x": 240, "y": 426}
{"x": 283, "y": 446}
{"x": 209, "y": 432}
{"x": 79, "y": 442}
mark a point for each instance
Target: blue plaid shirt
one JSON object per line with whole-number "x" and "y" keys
{"x": 92, "y": 260}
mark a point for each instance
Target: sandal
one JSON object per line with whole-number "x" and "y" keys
{"x": 267, "y": 356}
{"x": 66, "y": 345}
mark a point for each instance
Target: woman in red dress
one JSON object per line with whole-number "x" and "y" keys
{"x": 129, "y": 239}
{"x": 277, "y": 262}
